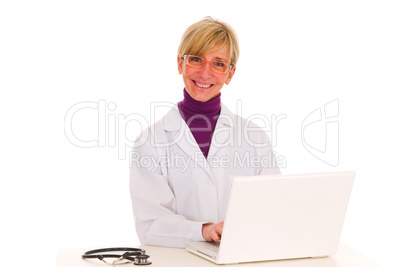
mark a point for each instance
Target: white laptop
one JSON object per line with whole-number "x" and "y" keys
{"x": 277, "y": 217}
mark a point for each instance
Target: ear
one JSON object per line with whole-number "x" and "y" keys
{"x": 180, "y": 64}
{"x": 230, "y": 75}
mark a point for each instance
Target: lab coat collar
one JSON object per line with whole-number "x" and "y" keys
{"x": 174, "y": 122}
{"x": 223, "y": 130}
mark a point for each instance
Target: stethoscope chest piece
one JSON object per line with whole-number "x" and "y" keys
{"x": 142, "y": 260}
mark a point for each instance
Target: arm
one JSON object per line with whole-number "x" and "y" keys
{"x": 154, "y": 202}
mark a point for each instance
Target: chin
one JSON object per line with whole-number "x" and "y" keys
{"x": 203, "y": 97}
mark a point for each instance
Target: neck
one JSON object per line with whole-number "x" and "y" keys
{"x": 191, "y": 106}
{"x": 201, "y": 118}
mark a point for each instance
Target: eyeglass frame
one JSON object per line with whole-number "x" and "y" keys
{"x": 185, "y": 58}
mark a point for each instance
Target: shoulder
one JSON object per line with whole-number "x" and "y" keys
{"x": 238, "y": 121}
{"x": 246, "y": 127}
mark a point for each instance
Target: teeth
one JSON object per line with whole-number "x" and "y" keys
{"x": 203, "y": 85}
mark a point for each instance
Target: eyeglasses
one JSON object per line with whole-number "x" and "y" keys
{"x": 199, "y": 62}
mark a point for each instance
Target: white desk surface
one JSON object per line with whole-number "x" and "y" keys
{"x": 176, "y": 257}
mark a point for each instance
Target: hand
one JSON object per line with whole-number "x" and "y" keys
{"x": 212, "y": 232}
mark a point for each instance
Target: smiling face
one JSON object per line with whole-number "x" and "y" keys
{"x": 204, "y": 84}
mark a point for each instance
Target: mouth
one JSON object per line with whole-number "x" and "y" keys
{"x": 203, "y": 85}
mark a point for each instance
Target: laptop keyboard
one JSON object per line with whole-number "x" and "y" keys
{"x": 212, "y": 246}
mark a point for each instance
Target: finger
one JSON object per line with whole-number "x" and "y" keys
{"x": 219, "y": 227}
{"x": 216, "y": 236}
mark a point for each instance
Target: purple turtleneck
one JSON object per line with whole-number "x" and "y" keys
{"x": 201, "y": 118}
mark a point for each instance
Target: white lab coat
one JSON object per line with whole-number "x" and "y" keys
{"x": 174, "y": 189}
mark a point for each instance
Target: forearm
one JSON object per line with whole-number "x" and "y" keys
{"x": 170, "y": 231}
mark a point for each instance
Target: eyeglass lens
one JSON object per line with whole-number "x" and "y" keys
{"x": 199, "y": 62}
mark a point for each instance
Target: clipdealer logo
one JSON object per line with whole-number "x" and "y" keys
{"x": 319, "y": 129}
{"x": 113, "y": 129}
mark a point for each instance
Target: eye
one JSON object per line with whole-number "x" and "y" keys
{"x": 195, "y": 59}
{"x": 219, "y": 64}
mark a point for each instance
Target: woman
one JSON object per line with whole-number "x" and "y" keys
{"x": 196, "y": 148}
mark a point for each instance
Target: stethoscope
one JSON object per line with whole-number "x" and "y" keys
{"x": 134, "y": 255}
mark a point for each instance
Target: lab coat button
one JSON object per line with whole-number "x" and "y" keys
{"x": 208, "y": 182}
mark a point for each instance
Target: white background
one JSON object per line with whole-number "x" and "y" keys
{"x": 296, "y": 56}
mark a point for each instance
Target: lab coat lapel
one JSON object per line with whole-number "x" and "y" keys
{"x": 173, "y": 122}
{"x": 223, "y": 131}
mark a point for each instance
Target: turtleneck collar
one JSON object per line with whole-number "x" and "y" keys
{"x": 201, "y": 118}
{"x": 191, "y": 106}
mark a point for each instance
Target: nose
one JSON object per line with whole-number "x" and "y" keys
{"x": 206, "y": 71}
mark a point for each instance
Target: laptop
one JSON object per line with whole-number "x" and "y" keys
{"x": 277, "y": 217}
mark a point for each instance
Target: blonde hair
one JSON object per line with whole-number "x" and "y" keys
{"x": 204, "y": 35}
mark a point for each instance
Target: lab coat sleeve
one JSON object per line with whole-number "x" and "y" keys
{"x": 153, "y": 201}
{"x": 262, "y": 144}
